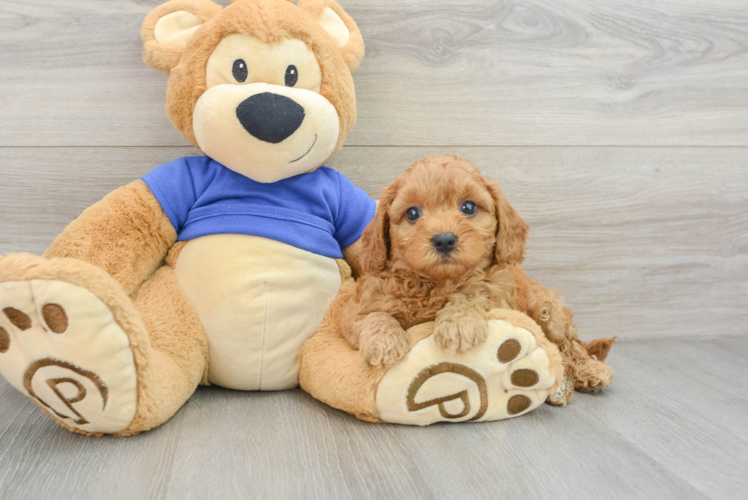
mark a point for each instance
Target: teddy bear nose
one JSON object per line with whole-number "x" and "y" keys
{"x": 270, "y": 117}
{"x": 444, "y": 242}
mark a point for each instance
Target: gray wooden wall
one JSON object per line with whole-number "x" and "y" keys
{"x": 619, "y": 129}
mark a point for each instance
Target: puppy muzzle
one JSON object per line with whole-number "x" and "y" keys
{"x": 444, "y": 243}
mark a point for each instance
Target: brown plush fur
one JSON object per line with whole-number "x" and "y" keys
{"x": 161, "y": 56}
{"x": 269, "y": 21}
{"x": 126, "y": 234}
{"x": 406, "y": 282}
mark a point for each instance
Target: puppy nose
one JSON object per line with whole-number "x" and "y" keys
{"x": 444, "y": 242}
{"x": 270, "y": 117}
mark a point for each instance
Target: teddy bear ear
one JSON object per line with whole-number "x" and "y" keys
{"x": 168, "y": 28}
{"x": 339, "y": 25}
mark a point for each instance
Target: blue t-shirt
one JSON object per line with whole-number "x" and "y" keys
{"x": 322, "y": 212}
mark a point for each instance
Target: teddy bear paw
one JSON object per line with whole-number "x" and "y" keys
{"x": 61, "y": 347}
{"x": 505, "y": 376}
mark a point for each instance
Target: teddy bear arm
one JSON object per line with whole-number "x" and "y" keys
{"x": 127, "y": 234}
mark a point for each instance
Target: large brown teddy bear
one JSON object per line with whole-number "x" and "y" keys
{"x": 211, "y": 269}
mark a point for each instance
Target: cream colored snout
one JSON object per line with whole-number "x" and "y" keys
{"x": 266, "y": 132}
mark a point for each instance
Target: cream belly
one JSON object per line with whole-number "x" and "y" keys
{"x": 259, "y": 300}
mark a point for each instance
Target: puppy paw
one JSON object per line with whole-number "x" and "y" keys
{"x": 593, "y": 376}
{"x": 460, "y": 332}
{"x": 380, "y": 339}
{"x": 384, "y": 347}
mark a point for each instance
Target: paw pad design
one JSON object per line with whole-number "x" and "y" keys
{"x": 4, "y": 340}
{"x": 505, "y": 376}
{"x": 19, "y": 319}
{"x": 509, "y": 350}
{"x": 457, "y": 369}
{"x": 517, "y": 404}
{"x": 55, "y": 317}
{"x": 54, "y": 383}
{"x": 61, "y": 346}
{"x": 524, "y": 377}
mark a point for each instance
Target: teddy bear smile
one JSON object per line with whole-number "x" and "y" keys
{"x": 307, "y": 151}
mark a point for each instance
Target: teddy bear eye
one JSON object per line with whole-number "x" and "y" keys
{"x": 292, "y": 76}
{"x": 468, "y": 208}
{"x": 413, "y": 214}
{"x": 240, "y": 70}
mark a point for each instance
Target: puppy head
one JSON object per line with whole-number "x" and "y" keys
{"x": 442, "y": 219}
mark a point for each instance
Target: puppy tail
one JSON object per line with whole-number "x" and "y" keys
{"x": 599, "y": 348}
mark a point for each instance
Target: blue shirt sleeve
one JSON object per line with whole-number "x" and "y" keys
{"x": 177, "y": 186}
{"x": 355, "y": 211}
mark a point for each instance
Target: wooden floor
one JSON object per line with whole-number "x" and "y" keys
{"x": 619, "y": 130}
{"x": 673, "y": 425}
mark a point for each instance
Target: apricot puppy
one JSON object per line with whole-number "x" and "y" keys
{"x": 445, "y": 246}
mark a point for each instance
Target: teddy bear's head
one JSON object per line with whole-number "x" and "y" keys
{"x": 262, "y": 86}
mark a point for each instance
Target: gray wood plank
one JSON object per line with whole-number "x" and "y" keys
{"x": 656, "y": 433}
{"x": 549, "y": 454}
{"x": 448, "y": 72}
{"x": 39, "y": 458}
{"x": 696, "y": 423}
{"x": 287, "y": 445}
{"x": 642, "y": 242}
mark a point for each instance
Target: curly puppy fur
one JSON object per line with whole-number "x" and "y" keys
{"x": 406, "y": 281}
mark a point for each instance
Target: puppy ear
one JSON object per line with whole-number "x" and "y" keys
{"x": 511, "y": 233}
{"x": 339, "y": 25}
{"x": 375, "y": 240}
{"x": 168, "y": 28}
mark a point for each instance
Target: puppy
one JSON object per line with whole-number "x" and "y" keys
{"x": 445, "y": 246}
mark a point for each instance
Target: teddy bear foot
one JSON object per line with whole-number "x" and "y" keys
{"x": 508, "y": 375}
{"x": 61, "y": 346}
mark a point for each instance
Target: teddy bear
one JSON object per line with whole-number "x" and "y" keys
{"x": 210, "y": 269}
{"x": 216, "y": 269}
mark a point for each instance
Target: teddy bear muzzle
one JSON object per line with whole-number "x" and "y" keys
{"x": 266, "y": 132}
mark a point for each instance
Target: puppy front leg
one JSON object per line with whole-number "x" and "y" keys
{"x": 461, "y": 324}
{"x": 381, "y": 339}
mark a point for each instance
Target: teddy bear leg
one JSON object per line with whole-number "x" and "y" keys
{"x": 179, "y": 351}
{"x": 508, "y": 375}
{"x": 73, "y": 341}
{"x": 331, "y": 370}
{"x": 126, "y": 234}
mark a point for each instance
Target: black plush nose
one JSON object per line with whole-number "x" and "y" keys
{"x": 270, "y": 117}
{"x": 444, "y": 242}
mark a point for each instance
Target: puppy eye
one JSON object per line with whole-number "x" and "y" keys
{"x": 292, "y": 76}
{"x": 468, "y": 208}
{"x": 240, "y": 70}
{"x": 413, "y": 214}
